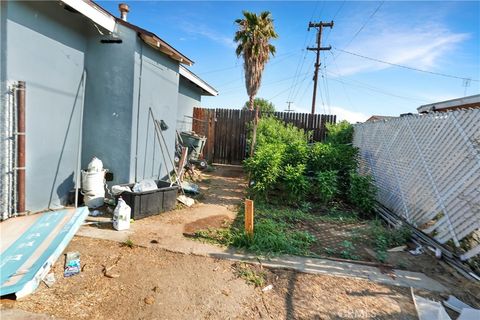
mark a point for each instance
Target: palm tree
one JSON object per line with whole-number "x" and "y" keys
{"x": 253, "y": 38}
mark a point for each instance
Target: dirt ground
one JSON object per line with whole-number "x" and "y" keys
{"x": 146, "y": 282}
{"x": 149, "y": 283}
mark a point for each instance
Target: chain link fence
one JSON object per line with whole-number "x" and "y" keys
{"x": 427, "y": 169}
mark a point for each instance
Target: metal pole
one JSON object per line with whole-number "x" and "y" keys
{"x": 79, "y": 150}
{"x": 21, "y": 147}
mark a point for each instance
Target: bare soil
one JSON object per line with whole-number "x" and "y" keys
{"x": 148, "y": 283}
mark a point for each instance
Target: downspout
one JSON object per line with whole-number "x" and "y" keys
{"x": 78, "y": 168}
{"x": 138, "y": 111}
{"x": 21, "y": 152}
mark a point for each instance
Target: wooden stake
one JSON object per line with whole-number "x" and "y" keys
{"x": 249, "y": 217}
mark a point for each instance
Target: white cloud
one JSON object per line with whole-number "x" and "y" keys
{"x": 421, "y": 47}
{"x": 204, "y": 31}
{"x": 350, "y": 116}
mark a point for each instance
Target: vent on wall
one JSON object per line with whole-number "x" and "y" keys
{"x": 111, "y": 41}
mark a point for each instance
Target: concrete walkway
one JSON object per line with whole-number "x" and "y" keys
{"x": 165, "y": 231}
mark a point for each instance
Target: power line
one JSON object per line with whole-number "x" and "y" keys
{"x": 288, "y": 88}
{"x": 343, "y": 84}
{"x": 362, "y": 27}
{"x": 290, "y": 53}
{"x": 242, "y": 76}
{"x": 325, "y": 86}
{"x": 405, "y": 67}
{"x": 375, "y": 89}
{"x": 302, "y": 61}
{"x": 263, "y": 85}
{"x": 365, "y": 23}
{"x": 334, "y": 17}
{"x": 299, "y": 87}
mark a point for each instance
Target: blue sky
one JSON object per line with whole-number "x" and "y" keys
{"x": 442, "y": 37}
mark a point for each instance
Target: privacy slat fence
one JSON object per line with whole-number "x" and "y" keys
{"x": 427, "y": 169}
{"x": 227, "y": 129}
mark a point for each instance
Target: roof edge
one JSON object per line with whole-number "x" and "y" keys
{"x": 93, "y": 12}
{"x": 107, "y": 20}
{"x": 189, "y": 75}
{"x": 158, "y": 44}
{"x": 452, "y": 103}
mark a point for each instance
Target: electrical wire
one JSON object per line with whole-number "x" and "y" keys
{"x": 343, "y": 84}
{"x": 263, "y": 85}
{"x": 242, "y": 76}
{"x": 289, "y": 53}
{"x": 288, "y": 88}
{"x": 303, "y": 80}
{"x": 364, "y": 85}
{"x": 405, "y": 67}
{"x": 333, "y": 19}
{"x": 365, "y": 23}
{"x": 301, "y": 61}
{"x": 361, "y": 28}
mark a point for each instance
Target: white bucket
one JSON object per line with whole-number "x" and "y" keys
{"x": 93, "y": 188}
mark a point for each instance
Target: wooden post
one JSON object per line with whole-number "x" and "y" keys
{"x": 249, "y": 217}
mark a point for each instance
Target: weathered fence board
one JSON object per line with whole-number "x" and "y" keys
{"x": 227, "y": 129}
{"x": 427, "y": 169}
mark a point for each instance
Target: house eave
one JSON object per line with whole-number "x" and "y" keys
{"x": 160, "y": 45}
{"x": 93, "y": 12}
{"x": 465, "y": 102}
{"x": 207, "y": 89}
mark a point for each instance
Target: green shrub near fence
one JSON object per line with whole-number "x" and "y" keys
{"x": 285, "y": 166}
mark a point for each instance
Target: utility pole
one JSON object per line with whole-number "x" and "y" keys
{"x": 320, "y": 25}
{"x": 288, "y": 108}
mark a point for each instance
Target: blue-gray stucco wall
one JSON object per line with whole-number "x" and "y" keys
{"x": 157, "y": 78}
{"x": 107, "y": 119}
{"x": 49, "y": 47}
{"x": 189, "y": 96}
{"x": 45, "y": 47}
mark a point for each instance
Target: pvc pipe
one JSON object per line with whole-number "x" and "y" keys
{"x": 79, "y": 149}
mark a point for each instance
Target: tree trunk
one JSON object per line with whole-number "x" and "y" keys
{"x": 251, "y": 104}
{"x": 254, "y": 134}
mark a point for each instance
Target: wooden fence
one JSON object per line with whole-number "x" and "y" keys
{"x": 227, "y": 129}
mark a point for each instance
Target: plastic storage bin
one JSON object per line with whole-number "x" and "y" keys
{"x": 152, "y": 202}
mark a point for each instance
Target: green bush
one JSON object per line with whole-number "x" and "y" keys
{"x": 340, "y": 133}
{"x": 271, "y": 130}
{"x": 264, "y": 168}
{"x": 326, "y": 185}
{"x": 279, "y": 160}
{"x": 362, "y": 192}
{"x": 322, "y": 157}
{"x": 295, "y": 182}
{"x": 331, "y": 157}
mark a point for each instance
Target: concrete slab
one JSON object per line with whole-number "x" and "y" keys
{"x": 399, "y": 278}
{"x": 167, "y": 231}
{"x": 104, "y": 234}
{"x": 17, "y": 314}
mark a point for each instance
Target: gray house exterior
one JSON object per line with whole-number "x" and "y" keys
{"x": 52, "y": 46}
{"x": 190, "y": 91}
